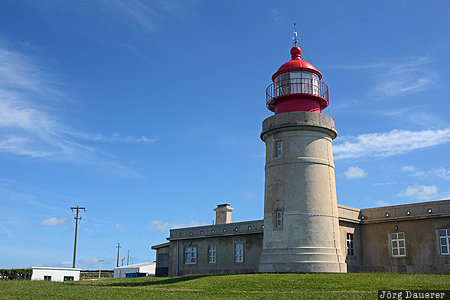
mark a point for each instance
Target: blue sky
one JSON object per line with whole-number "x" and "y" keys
{"x": 148, "y": 113}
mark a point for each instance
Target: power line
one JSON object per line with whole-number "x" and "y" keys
{"x": 94, "y": 235}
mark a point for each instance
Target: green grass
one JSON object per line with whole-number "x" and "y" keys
{"x": 247, "y": 286}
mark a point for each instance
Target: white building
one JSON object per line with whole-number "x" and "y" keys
{"x": 147, "y": 268}
{"x": 55, "y": 274}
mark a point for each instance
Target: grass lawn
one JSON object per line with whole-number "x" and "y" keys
{"x": 248, "y": 286}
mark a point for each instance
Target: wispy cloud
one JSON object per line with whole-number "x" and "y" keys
{"x": 355, "y": 173}
{"x": 367, "y": 66}
{"x": 406, "y": 77}
{"x": 138, "y": 12}
{"x": 422, "y": 192}
{"x": 393, "y": 78}
{"x": 29, "y": 125}
{"x": 54, "y": 221}
{"x": 382, "y": 203}
{"x": 121, "y": 227}
{"x": 443, "y": 173}
{"x": 145, "y": 15}
{"x": 114, "y": 138}
{"x": 249, "y": 195}
{"x": 28, "y": 195}
{"x": 165, "y": 226}
{"x": 388, "y": 143}
{"x": 386, "y": 183}
{"x": 408, "y": 168}
{"x": 440, "y": 172}
{"x": 275, "y": 15}
{"x": 82, "y": 262}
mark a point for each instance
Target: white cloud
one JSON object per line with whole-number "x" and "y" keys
{"x": 443, "y": 173}
{"x": 407, "y": 77}
{"x": 146, "y": 15}
{"x": 355, "y": 172}
{"x": 29, "y": 122}
{"x": 121, "y": 228}
{"x": 164, "y": 226}
{"x": 398, "y": 77}
{"x": 383, "y": 203}
{"x": 422, "y": 192}
{"x": 249, "y": 195}
{"x": 388, "y": 143}
{"x": 386, "y": 183}
{"x": 54, "y": 221}
{"x": 408, "y": 168}
{"x": 440, "y": 172}
{"x": 82, "y": 262}
{"x": 126, "y": 139}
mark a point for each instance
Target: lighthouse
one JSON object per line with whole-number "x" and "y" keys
{"x": 301, "y": 227}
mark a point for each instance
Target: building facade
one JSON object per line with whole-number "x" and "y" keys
{"x": 55, "y": 274}
{"x": 412, "y": 238}
{"x": 136, "y": 270}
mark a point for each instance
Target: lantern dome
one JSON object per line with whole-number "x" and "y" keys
{"x": 296, "y": 64}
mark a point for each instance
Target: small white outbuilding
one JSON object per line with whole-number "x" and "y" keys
{"x": 55, "y": 274}
{"x": 137, "y": 270}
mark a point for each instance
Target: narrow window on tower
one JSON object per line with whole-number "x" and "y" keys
{"x": 279, "y": 149}
{"x": 279, "y": 219}
{"x": 350, "y": 244}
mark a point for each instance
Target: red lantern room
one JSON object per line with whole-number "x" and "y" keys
{"x": 297, "y": 86}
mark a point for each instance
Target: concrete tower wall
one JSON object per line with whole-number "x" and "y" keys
{"x": 300, "y": 183}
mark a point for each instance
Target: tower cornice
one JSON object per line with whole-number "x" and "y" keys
{"x": 299, "y": 120}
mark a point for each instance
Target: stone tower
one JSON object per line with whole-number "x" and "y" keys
{"x": 301, "y": 229}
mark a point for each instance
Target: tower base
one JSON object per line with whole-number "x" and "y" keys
{"x": 302, "y": 260}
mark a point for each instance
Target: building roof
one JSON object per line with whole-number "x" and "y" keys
{"x": 57, "y": 268}
{"x": 238, "y": 228}
{"x": 136, "y": 265}
{"x": 421, "y": 210}
{"x": 161, "y": 245}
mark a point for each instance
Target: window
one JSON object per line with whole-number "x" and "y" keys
{"x": 279, "y": 219}
{"x": 238, "y": 252}
{"x": 315, "y": 84}
{"x": 68, "y": 278}
{"x": 398, "y": 244}
{"x": 279, "y": 149}
{"x": 48, "y": 278}
{"x": 350, "y": 244}
{"x": 282, "y": 85}
{"x": 212, "y": 254}
{"x": 444, "y": 241}
{"x": 190, "y": 255}
{"x": 297, "y": 83}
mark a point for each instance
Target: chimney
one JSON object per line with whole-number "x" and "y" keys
{"x": 223, "y": 213}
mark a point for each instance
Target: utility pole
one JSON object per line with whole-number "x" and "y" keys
{"x": 118, "y": 247}
{"x": 123, "y": 258}
{"x": 78, "y": 217}
{"x": 128, "y": 257}
{"x": 100, "y": 270}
